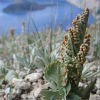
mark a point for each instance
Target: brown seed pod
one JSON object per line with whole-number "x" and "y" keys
{"x": 87, "y": 36}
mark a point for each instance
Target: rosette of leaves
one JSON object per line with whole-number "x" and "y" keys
{"x": 65, "y": 74}
{"x": 56, "y": 74}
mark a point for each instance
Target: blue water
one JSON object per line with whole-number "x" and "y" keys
{"x": 59, "y": 15}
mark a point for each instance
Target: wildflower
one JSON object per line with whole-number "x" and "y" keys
{"x": 76, "y": 33}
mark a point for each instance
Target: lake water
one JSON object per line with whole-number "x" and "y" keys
{"x": 51, "y": 13}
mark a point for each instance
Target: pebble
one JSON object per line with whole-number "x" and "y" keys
{"x": 15, "y": 81}
{"x": 23, "y": 85}
{"x": 37, "y": 92}
{"x": 1, "y": 98}
{"x": 33, "y": 77}
{"x": 24, "y": 96}
{"x": 2, "y": 92}
{"x": 22, "y": 74}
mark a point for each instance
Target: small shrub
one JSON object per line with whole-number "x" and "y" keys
{"x": 64, "y": 74}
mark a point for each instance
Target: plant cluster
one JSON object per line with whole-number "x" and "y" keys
{"x": 63, "y": 66}
{"x": 24, "y": 53}
{"x": 65, "y": 73}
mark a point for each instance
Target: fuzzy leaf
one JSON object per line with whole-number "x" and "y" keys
{"x": 50, "y": 95}
{"x": 68, "y": 88}
{"x": 10, "y": 75}
{"x": 74, "y": 97}
{"x": 54, "y": 75}
{"x": 22, "y": 61}
{"x": 86, "y": 68}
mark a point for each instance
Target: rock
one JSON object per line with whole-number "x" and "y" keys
{"x": 40, "y": 81}
{"x": 31, "y": 97}
{"x": 15, "y": 81}
{"x": 98, "y": 83}
{"x": 16, "y": 91}
{"x": 17, "y": 71}
{"x": 2, "y": 93}
{"x": 22, "y": 74}
{"x": 16, "y": 97}
{"x": 81, "y": 84}
{"x": 37, "y": 92}
{"x": 34, "y": 84}
{"x": 2, "y": 98}
{"x": 90, "y": 58}
{"x": 5, "y": 97}
{"x": 23, "y": 85}
{"x": 7, "y": 90}
{"x": 24, "y": 97}
{"x": 4, "y": 82}
{"x": 45, "y": 86}
{"x": 39, "y": 70}
{"x": 92, "y": 97}
{"x": 93, "y": 68}
{"x": 3, "y": 86}
{"x": 94, "y": 90}
{"x": 98, "y": 92}
{"x": 33, "y": 77}
{"x": 28, "y": 88}
{"x": 97, "y": 97}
